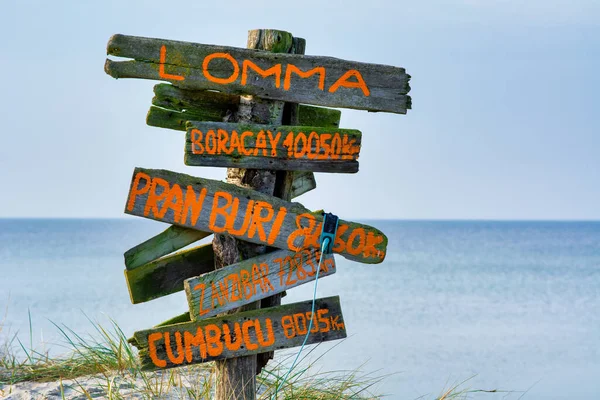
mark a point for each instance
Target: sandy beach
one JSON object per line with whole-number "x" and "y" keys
{"x": 160, "y": 384}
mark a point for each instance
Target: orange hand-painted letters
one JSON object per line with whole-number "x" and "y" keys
{"x": 274, "y": 70}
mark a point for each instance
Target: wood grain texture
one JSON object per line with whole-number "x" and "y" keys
{"x": 172, "y": 107}
{"x": 193, "y": 66}
{"x": 253, "y": 279}
{"x": 246, "y": 214}
{"x": 166, "y": 275}
{"x": 166, "y": 242}
{"x": 240, "y": 334}
{"x": 290, "y": 148}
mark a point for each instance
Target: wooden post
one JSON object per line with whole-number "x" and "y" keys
{"x": 236, "y": 377}
{"x": 283, "y": 190}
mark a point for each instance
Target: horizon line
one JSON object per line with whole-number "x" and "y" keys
{"x": 358, "y": 218}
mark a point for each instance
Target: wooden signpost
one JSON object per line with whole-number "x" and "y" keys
{"x": 239, "y": 109}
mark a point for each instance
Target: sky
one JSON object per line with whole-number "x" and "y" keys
{"x": 504, "y": 125}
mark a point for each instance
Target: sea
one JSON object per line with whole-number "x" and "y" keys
{"x": 510, "y": 306}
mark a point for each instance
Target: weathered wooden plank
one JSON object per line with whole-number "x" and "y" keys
{"x": 253, "y": 279}
{"x": 313, "y": 80}
{"x": 303, "y": 182}
{"x": 166, "y": 242}
{"x": 167, "y": 118}
{"x": 235, "y": 335}
{"x": 210, "y": 205}
{"x": 173, "y": 107}
{"x": 207, "y": 105}
{"x": 290, "y": 148}
{"x": 166, "y": 275}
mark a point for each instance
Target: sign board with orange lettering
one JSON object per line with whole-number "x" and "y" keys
{"x": 290, "y": 148}
{"x": 241, "y": 334}
{"x": 324, "y": 81}
{"x": 218, "y": 207}
{"x": 253, "y": 279}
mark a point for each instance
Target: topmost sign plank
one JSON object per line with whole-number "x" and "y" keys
{"x": 323, "y": 81}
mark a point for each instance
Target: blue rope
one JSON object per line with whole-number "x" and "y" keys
{"x": 324, "y": 246}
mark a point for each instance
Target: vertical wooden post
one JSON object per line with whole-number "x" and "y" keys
{"x": 236, "y": 377}
{"x": 283, "y": 189}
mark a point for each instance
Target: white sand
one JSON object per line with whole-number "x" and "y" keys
{"x": 159, "y": 385}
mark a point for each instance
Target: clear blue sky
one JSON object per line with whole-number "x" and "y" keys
{"x": 505, "y": 122}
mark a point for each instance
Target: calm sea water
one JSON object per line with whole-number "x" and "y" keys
{"x": 515, "y": 305}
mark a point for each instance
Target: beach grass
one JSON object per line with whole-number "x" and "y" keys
{"x": 106, "y": 363}
{"x": 112, "y": 364}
